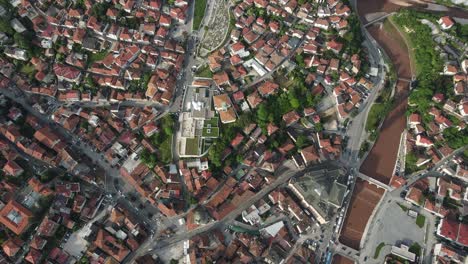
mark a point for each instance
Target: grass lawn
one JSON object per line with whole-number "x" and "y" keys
{"x": 420, "y": 220}
{"x": 165, "y": 150}
{"x": 204, "y": 72}
{"x": 376, "y": 114}
{"x": 212, "y": 132}
{"x": 93, "y": 57}
{"x": 213, "y": 122}
{"x": 191, "y": 146}
{"x": 200, "y": 6}
{"x": 378, "y": 249}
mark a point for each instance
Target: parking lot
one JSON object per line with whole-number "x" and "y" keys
{"x": 392, "y": 226}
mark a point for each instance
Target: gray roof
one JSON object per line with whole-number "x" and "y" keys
{"x": 322, "y": 189}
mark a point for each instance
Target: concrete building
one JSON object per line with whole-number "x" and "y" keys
{"x": 198, "y": 123}
{"x": 320, "y": 191}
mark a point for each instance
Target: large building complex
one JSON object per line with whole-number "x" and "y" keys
{"x": 198, "y": 123}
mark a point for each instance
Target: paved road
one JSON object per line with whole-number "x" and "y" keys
{"x": 356, "y": 129}
{"x": 269, "y": 74}
{"x": 432, "y": 172}
{"x": 284, "y": 173}
{"x": 112, "y": 181}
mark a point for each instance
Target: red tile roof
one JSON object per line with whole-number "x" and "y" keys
{"x": 12, "y": 246}
{"x": 33, "y": 256}
{"x": 109, "y": 244}
{"x": 268, "y": 88}
{"x": 291, "y": 117}
{"x": 66, "y": 72}
{"x": 463, "y": 234}
{"x": 449, "y": 229}
{"x": 15, "y": 217}
{"x": 414, "y": 195}
{"x": 446, "y": 21}
{"x": 12, "y": 168}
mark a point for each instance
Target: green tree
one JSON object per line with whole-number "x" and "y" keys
{"x": 415, "y": 248}
{"x": 294, "y": 102}
{"x": 215, "y": 152}
{"x": 148, "y": 158}
{"x": 318, "y": 127}
{"x": 300, "y": 60}
{"x": 167, "y": 123}
{"x": 5, "y": 27}
{"x": 301, "y": 141}
{"x": 456, "y": 139}
{"x": 21, "y": 41}
{"x": 262, "y": 114}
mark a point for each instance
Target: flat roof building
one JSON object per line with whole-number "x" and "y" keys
{"x": 197, "y": 122}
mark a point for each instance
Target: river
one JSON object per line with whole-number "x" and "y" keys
{"x": 380, "y": 162}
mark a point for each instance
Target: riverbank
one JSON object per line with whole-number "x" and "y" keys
{"x": 380, "y": 162}
{"x": 365, "y": 198}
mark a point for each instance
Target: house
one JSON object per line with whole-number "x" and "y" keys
{"x": 450, "y": 69}
{"x": 464, "y": 65}
{"x": 422, "y": 141}
{"x": 454, "y": 231}
{"x": 438, "y": 97}
{"x": 111, "y": 245}
{"x": 67, "y": 73}
{"x": 13, "y": 169}
{"x": 12, "y": 246}
{"x": 310, "y": 155}
{"x": 221, "y": 102}
{"x": 150, "y": 129}
{"x": 463, "y": 108}
{"x": 261, "y": 3}
{"x": 268, "y": 88}
{"x": 414, "y": 119}
{"x": 460, "y": 88}
{"x": 221, "y": 79}
{"x": 165, "y": 20}
{"x": 414, "y": 195}
{"x": 446, "y": 22}
{"x": 237, "y": 49}
{"x": 334, "y": 46}
{"x": 223, "y": 105}
{"x": 237, "y": 140}
{"x": 16, "y": 53}
{"x": 291, "y": 118}
{"x": 17, "y": 26}
{"x": 48, "y": 227}
{"x": 445, "y": 254}
{"x": 322, "y": 23}
{"x": 15, "y": 217}
{"x": 254, "y": 99}
{"x": 47, "y": 137}
{"x": 228, "y": 116}
{"x": 34, "y": 256}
